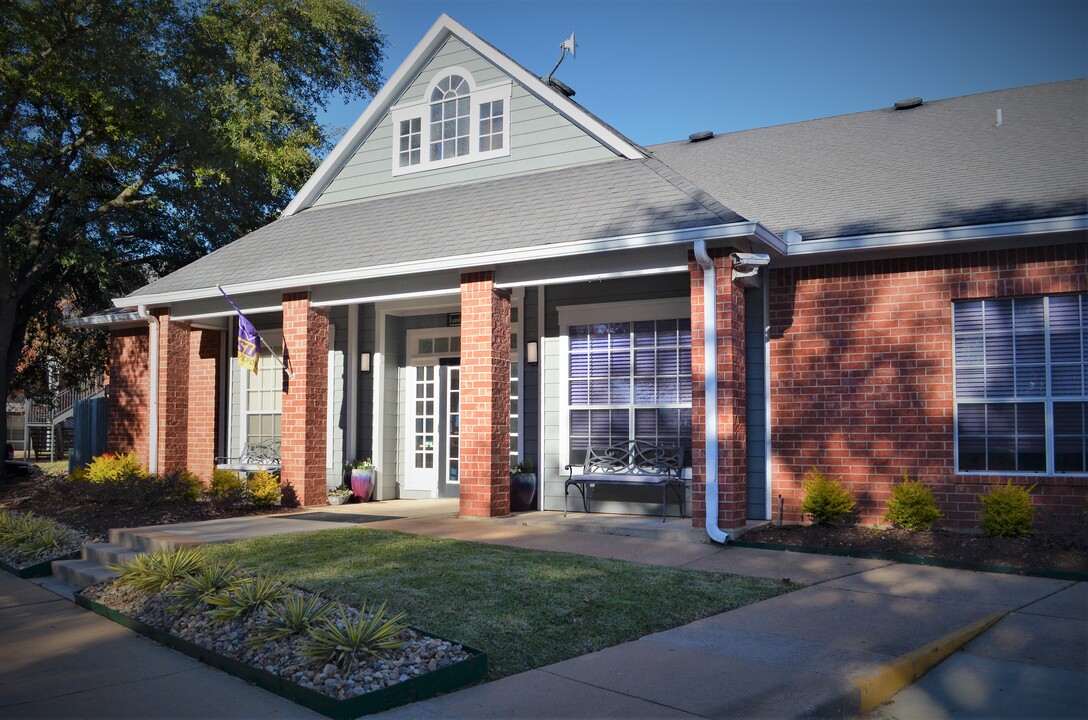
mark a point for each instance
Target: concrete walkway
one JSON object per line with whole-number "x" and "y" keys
{"x": 796, "y": 655}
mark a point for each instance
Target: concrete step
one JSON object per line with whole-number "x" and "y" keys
{"x": 148, "y": 541}
{"x": 106, "y": 554}
{"x": 81, "y": 573}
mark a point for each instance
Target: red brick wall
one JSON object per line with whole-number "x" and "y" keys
{"x": 203, "y": 401}
{"x": 305, "y": 402}
{"x": 485, "y": 397}
{"x": 861, "y": 375}
{"x": 732, "y": 495}
{"x": 129, "y": 392}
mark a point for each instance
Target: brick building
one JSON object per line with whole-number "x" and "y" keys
{"x": 482, "y": 271}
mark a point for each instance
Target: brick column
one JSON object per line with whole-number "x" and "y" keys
{"x": 732, "y": 393}
{"x": 305, "y": 399}
{"x": 485, "y": 397}
{"x": 127, "y": 430}
{"x": 203, "y": 407}
{"x": 173, "y": 393}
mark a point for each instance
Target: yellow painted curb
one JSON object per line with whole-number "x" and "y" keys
{"x": 901, "y": 672}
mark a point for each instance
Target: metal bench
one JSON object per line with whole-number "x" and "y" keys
{"x": 634, "y": 462}
{"x": 254, "y": 458}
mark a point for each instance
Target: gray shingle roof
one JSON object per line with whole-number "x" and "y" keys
{"x": 607, "y": 199}
{"x": 939, "y": 165}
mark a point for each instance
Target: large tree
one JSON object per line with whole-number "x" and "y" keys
{"x": 138, "y": 135}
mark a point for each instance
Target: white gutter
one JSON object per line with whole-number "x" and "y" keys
{"x": 710, "y": 371}
{"x": 153, "y": 404}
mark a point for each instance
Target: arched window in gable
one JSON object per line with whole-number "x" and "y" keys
{"x": 450, "y": 110}
{"x": 453, "y": 121}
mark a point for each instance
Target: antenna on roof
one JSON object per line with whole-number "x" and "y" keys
{"x": 565, "y": 46}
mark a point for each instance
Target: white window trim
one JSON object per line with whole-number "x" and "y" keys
{"x": 421, "y": 109}
{"x": 637, "y": 311}
{"x": 330, "y": 449}
{"x": 1046, "y": 400}
{"x": 271, "y": 337}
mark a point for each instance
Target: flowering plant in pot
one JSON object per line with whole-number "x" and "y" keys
{"x": 362, "y": 479}
{"x": 339, "y": 496}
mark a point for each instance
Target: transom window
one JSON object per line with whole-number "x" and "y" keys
{"x": 1021, "y": 384}
{"x": 629, "y": 380}
{"x": 453, "y": 122}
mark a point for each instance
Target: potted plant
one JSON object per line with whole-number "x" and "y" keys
{"x": 362, "y": 479}
{"x": 522, "y": 486}
{"x": 339, "y": 496}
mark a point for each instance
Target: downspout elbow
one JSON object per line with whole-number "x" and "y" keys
{"x": 153, "y": 401}
{"x": 710, "y": 370}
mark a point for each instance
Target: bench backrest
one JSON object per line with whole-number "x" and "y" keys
{"x": 634, "y": 457}
{"x": 268, "y": 452}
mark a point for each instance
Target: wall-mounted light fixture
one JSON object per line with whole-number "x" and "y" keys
{"x": 532, "y": 353}
{"x": 364, "y": 362}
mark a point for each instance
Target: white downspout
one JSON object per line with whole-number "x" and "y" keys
{"x": 153, "y": 405}
{"x": 710, "y": 365}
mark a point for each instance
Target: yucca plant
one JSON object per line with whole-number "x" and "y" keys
{"x": 154, "y": 572}
{"x": 205, "y": 583}
{"x": 342, "y": 639}
{"x": 46, "y": 541}
{"x": 295, "y": 615}
{"x": 249, "y": 595}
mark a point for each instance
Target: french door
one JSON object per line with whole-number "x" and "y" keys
{"x": 434, "y": 400}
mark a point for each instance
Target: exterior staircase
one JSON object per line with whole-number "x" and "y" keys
{"x": 95, "y": 559}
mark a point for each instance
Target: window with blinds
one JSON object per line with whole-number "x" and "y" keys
{"x": 629, "y": 380}
{"x": 1021, "y": 382}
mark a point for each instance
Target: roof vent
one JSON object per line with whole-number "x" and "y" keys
{"x": 908, "y": 103}
{"x": 559, "y": 85}
{"x": 699, "y": 136}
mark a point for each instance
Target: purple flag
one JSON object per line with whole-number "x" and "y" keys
{"x": 249, "y": 342}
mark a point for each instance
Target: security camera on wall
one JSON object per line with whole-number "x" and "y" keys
{"x": 747, "y": 261}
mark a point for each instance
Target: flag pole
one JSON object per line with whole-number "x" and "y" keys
{"x": 264, "y": 343}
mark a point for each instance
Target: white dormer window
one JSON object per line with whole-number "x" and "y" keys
{"x": 455, "y": 122}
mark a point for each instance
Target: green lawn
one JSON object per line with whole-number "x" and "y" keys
{"x": 524, "y": 608}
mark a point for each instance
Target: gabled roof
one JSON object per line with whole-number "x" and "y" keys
{"x": 944, "y": 164}
{"x": 610, "y": 199}
{"x": 406, "y": 73}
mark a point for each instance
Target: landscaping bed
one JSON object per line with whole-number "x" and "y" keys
{"x": 1056, "y": 552}
{"x": 411, "y": 665}
{"x": 94, "y": 510}
{"x": 29, "y": 543}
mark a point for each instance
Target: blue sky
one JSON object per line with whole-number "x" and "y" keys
{"x": 660, "y": 70}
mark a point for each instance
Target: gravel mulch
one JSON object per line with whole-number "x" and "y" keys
{"x": 366, "y": 673}
{"x": 20, "y": 559}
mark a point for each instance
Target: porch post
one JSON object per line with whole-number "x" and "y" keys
{"x": 129, "y": 403}
{"x": 173, "y": 393}
{"x": 203, "y": 406}
{"x": 305, "y": 399}
{"x": 485, "y": 397}
{"x": 732, "y": 396}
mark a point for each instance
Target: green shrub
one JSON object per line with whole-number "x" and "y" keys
{"x": 1007, "y": 511}
{"x": 153, "y": 573}
{"x": 109, "y": 468}
{"x": 182, "y": 485}
{"x": 264, "y": 488}
{"x": 248, "y": 595}
{"x": 912, "y": 506}
{"x": 206, "y": 582}
{"x": 825, "y": 499}
{"x": 341, "y": 640}
{"x": 293, "y": 616}
{"x": 34, "y": 536}
{"x": 227, "y": 487}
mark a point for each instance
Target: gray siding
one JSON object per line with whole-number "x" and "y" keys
{"x": 364, "y": 439}
{"x": 338, "y": 319}
{"x": 756, "y": 420}
{"x": 633, "y": 501}
{"x": 391, "y": 411}
{"x": 540, "y": 138}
